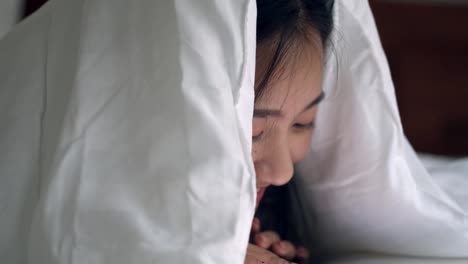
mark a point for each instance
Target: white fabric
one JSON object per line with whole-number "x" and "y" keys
{"x": 10, "y": 11}
{"x": 451, "y": 174}
{"x": 385, "y": 259}
{"x": 369, "y": 190}
{"x": 123, "y": 139}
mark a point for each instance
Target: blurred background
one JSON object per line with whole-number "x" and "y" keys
{"x": 426, "y": 42}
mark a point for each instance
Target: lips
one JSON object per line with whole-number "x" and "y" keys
{"x": 260, "y": 194}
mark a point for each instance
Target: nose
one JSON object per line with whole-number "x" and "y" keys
{"x": 275, "y": 167}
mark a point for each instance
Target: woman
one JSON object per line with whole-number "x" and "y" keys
{"x": 292, "y": 36}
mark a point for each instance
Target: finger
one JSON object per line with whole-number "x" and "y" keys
{"x": 266, "y": 239}
{"x": 302, "y": 253}
{"x": 256, "y": 225}
{"x": 257, "y": 255}
{"x": 284, "y": 249}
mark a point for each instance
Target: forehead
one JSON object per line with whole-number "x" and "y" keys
{"x": 294, "y": 84}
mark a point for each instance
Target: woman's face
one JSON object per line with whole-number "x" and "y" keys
{"x": 284, "y": 118}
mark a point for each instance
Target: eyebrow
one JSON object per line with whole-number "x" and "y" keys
{"x": 266, "y": 112}
{"x": 315, "y": 102}
{"x": 261, "y": 113}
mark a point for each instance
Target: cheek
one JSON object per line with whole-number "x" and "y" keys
{"x": 299, "y": 145}
{"x": 258, "y": 125}
{"x": 256, "y": 149}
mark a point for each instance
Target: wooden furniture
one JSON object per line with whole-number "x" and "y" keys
{"x": 427, "y": 49}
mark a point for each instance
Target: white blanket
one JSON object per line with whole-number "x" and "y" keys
{"x": 123, "y": 138}
{"x": 362, "y": 180}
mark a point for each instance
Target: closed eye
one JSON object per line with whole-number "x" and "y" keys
{"x": 257, "y": 137}
{"x": 305, "y": 126}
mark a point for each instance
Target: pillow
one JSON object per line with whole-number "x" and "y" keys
{"x": 367, "y": 188}
{"x": 123, "y": 137}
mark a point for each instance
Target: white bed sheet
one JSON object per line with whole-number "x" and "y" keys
{"x": 451, "y": 174}
{"x": 383, "y": 259}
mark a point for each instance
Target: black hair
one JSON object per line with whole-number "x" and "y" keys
{"x": 281, "y": 25}
{"x": 285, "y": 23}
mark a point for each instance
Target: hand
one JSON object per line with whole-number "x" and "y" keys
{"x": 281, "y": 248}
{"x": 258, "y": 255}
